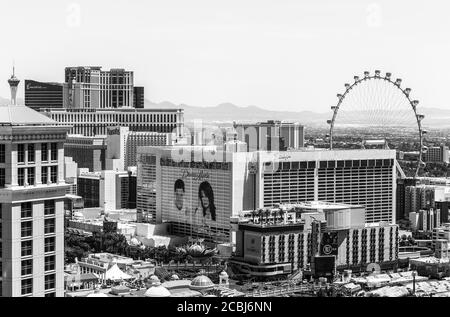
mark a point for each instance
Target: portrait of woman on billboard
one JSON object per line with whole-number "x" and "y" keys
{"x": 206, "y": 198}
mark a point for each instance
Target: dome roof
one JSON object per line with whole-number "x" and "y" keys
{"x": 157, "y": 291}
{"x": 201, "y": 282}
{"x": 15, "y": 115}
{"x": 154, "y": 280}
{"x": 175, "y": 277}
{"x": 223, "y": 274}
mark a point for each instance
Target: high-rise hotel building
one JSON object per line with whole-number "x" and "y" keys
{"x": 40, "y": 95}
{"x": 173, "y": 184}
{"x": 32, "y": 191}
{"x": 93, "y": 88}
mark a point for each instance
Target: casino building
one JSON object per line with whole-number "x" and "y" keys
{"x": 281, "y": 240}
{"x": 236, "y": 181}
{"x": 92, "y": 122}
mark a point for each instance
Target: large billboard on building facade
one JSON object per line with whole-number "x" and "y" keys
{"x": 197, "y": 199}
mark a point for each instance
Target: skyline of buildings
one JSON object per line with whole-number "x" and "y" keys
{"x": 339, "y": 205}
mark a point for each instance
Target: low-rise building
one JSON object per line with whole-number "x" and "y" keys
{"x": 291, "y": 237}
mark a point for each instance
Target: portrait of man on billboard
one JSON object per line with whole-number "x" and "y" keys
{"x": 206, "y": 198}
{"x": 179, "y": 191}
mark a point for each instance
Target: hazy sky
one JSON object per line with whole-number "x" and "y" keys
{"x": 290, "y": 55}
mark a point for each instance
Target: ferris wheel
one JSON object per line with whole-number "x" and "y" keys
{"x": 375, "y": 109}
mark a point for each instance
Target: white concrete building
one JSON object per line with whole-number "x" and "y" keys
{"x": 32, "y": 191}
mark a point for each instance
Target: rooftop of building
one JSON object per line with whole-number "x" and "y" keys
{"x": 19, "y": 115}
{"x": 31, "y": 81}
{"x": 303, "y": 154}
{"x": 303, "y": 207}
{"x": 112, "y": 110}
{"x": 105, "y": 257}
{"x": 431, "y": 260}
{"x": 267, "y": 123}
{"x": 84, "y": 137}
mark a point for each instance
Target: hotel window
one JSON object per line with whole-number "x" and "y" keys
{"x": 21, "y": 153}
{"x": 49, "y": 226}
{"x": 26, "y": 229}
{"x": 27, "y": 267}
{"x": 44, "y": 152}
{"x": 49, "y": 207}
{"x": 31, "y": 153}
{"x": 49, "y": 245}
{"x": 2, "y": 178}
{"x": 27, "y": 286}
{"x": 30, "y": 176}
{"x": 44, "y": 175}
{"x": 54, "y": 151}
{"x": 26, "y": 210}
{"x": 21, "y": 176}
{"x": 49, "y": 263}
{"x": 27, "y": 248}
{"x": 54, "y": 174}
{"x": 2, "y": 153}
{"x": 50, "y": 281}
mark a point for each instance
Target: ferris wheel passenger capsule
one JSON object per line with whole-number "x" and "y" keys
{"x": 366, "y": 74}
{"x": 347, "y": 86}
{"x": 415, "y": 102}
{"x": 333, "y": 108}
{"x": 424, "y": 132}
{"x": 407, "y": 91}
{"x": 388, "y": 75}
{"x": 377, "y": 73}
{"x": 356, "y": 78}
{"x": 329, "y": 121}
{"x": 398, "y": 81}
{"x": 422, "y": 164}
{"x": 339, "y": 96}
{"x": 424, "y": 149}
{"x": 420, "y": 117}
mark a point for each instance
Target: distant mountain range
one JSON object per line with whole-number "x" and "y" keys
{"x": 228, "y": 112}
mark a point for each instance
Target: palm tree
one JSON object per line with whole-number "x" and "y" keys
{"x": 274, "y": 214}
{"x": 260, "y": 215}
{"x": 267, "y": 214}
{"x": 254, "y": 213}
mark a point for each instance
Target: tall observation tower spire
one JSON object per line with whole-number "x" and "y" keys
{"x": 13, "y": 84}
